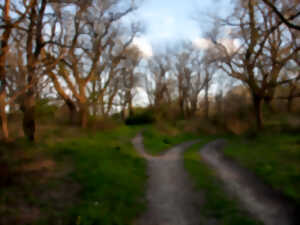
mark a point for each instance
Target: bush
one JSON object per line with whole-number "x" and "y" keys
{"x": 141, "y": 117}
{"x": 103, "y": 123}
{"x": 44, "y": 110}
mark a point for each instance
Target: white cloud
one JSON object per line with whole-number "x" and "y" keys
{"x": 144, "y": 46}
{"x": 230, "y": 44}
{"x": 202, "y": 43}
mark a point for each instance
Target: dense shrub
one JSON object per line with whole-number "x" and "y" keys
{"x": 44, "y": 109}
{"x": 141, "y": 117}
{"x": 103, "y": 123}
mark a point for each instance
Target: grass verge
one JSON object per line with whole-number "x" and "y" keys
{"x": 96, "y": 178}
{"x": 217, "y": 205}
{"x": 273, "y": 157}
{"x": 157, "y": 141}
{"x": 111, "y": 175}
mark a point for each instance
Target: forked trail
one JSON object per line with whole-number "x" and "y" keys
{"x": 257, "y": 198}
{"x": 171, "y": 198}
{"x": 173, "y": 201}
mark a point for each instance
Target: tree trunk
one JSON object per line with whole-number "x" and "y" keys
{"x": 188, "y": 110}
{"x": 268, "y": 102}
{"x": 181, "y": 106}
{"x": 29, "y": 123}
{"x": 206, "y": 103}
{"x": 3, "y": 116}
{"x": 28, "y": 106}
{"x": 3, "y": 84}
{"x": 83, "y": 115}
{"x": 193, "y": 109}
{"x": 61, "y": 91}
{"x": 290, "y": 104}
{"x": 95, "y": 109}
{"x": 130, "y": 107}
{"x": 257, "y": 102}
{"x": 123, "y": 111}
{"x": 72, "y": 110}
{"x": 4, "y": 48}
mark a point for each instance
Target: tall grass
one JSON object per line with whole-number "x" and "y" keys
{"x": 158, "y": 140}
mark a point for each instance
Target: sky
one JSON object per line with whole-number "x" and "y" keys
{"x": 167, "y": 21}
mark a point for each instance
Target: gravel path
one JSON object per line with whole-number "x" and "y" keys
{"x": 264, "y": 204}
{"x": 171, "y": 198}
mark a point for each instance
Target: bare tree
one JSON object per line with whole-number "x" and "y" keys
{"x": 4, "y": 49}
{"x": 246, "y": 62}
{"x": 193, "y": 72}
{"x": 8, "y": 25}
{"x": 288, "y": 21}
{"x": 92, "y": 49}
{"x": 159, "y": 67}
{"x": 130, "y": 79}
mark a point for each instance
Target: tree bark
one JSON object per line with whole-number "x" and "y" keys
{"x": 72, "y": 110}
{"x": 206, "y": 102}
{"x": 290, "y": 104}
{"x": 130, "y": 107}
{"x": 29, "y": 123}
{"x": 70, "y": 104}
{"x": 193, "y": 109}
{"x": 268, "y": 101}
{"x": 95, "y": 108}
{"x": 257, "y": 103}
{"x": 181, "y": 106}
{"x": 3, "y": 52}
{"x": 83, "y": 115}
{"x": 123, "y": 111}
{"x": 3, "y": 119}
{"x": 123, "y": 117}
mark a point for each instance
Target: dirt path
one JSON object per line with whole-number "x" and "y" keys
{"x": 266, "y": 205}
{"x": 171, "y": 198}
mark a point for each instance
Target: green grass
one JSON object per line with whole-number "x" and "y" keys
{"x": 273, "y": 157}
{"x": 156, "y": 142}
{"x": 218, "y": 205}
{"x": 111, "y": 175}
{"x": 98, "y": 179}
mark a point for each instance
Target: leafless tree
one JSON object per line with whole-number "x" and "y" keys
{"x": 7, "y": 27}
{"x": 293, "y": 12}
{"x": 157, "y": 79}
{"x": 256, "y": 32}
{"x": 193, "y": 71}
{"x": 130, "y": 79}
{"x": 92, "y": 49}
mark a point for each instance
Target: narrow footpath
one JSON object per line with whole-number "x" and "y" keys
{"x": 171, "y": 198}
{"x": 258, "y": 198}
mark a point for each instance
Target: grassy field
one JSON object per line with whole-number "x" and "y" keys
{"x": 218, "y": 205}
{"x": 157, "y": 141}
{"x": 95, "y": 179}
{"x": 273, "y": 157}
